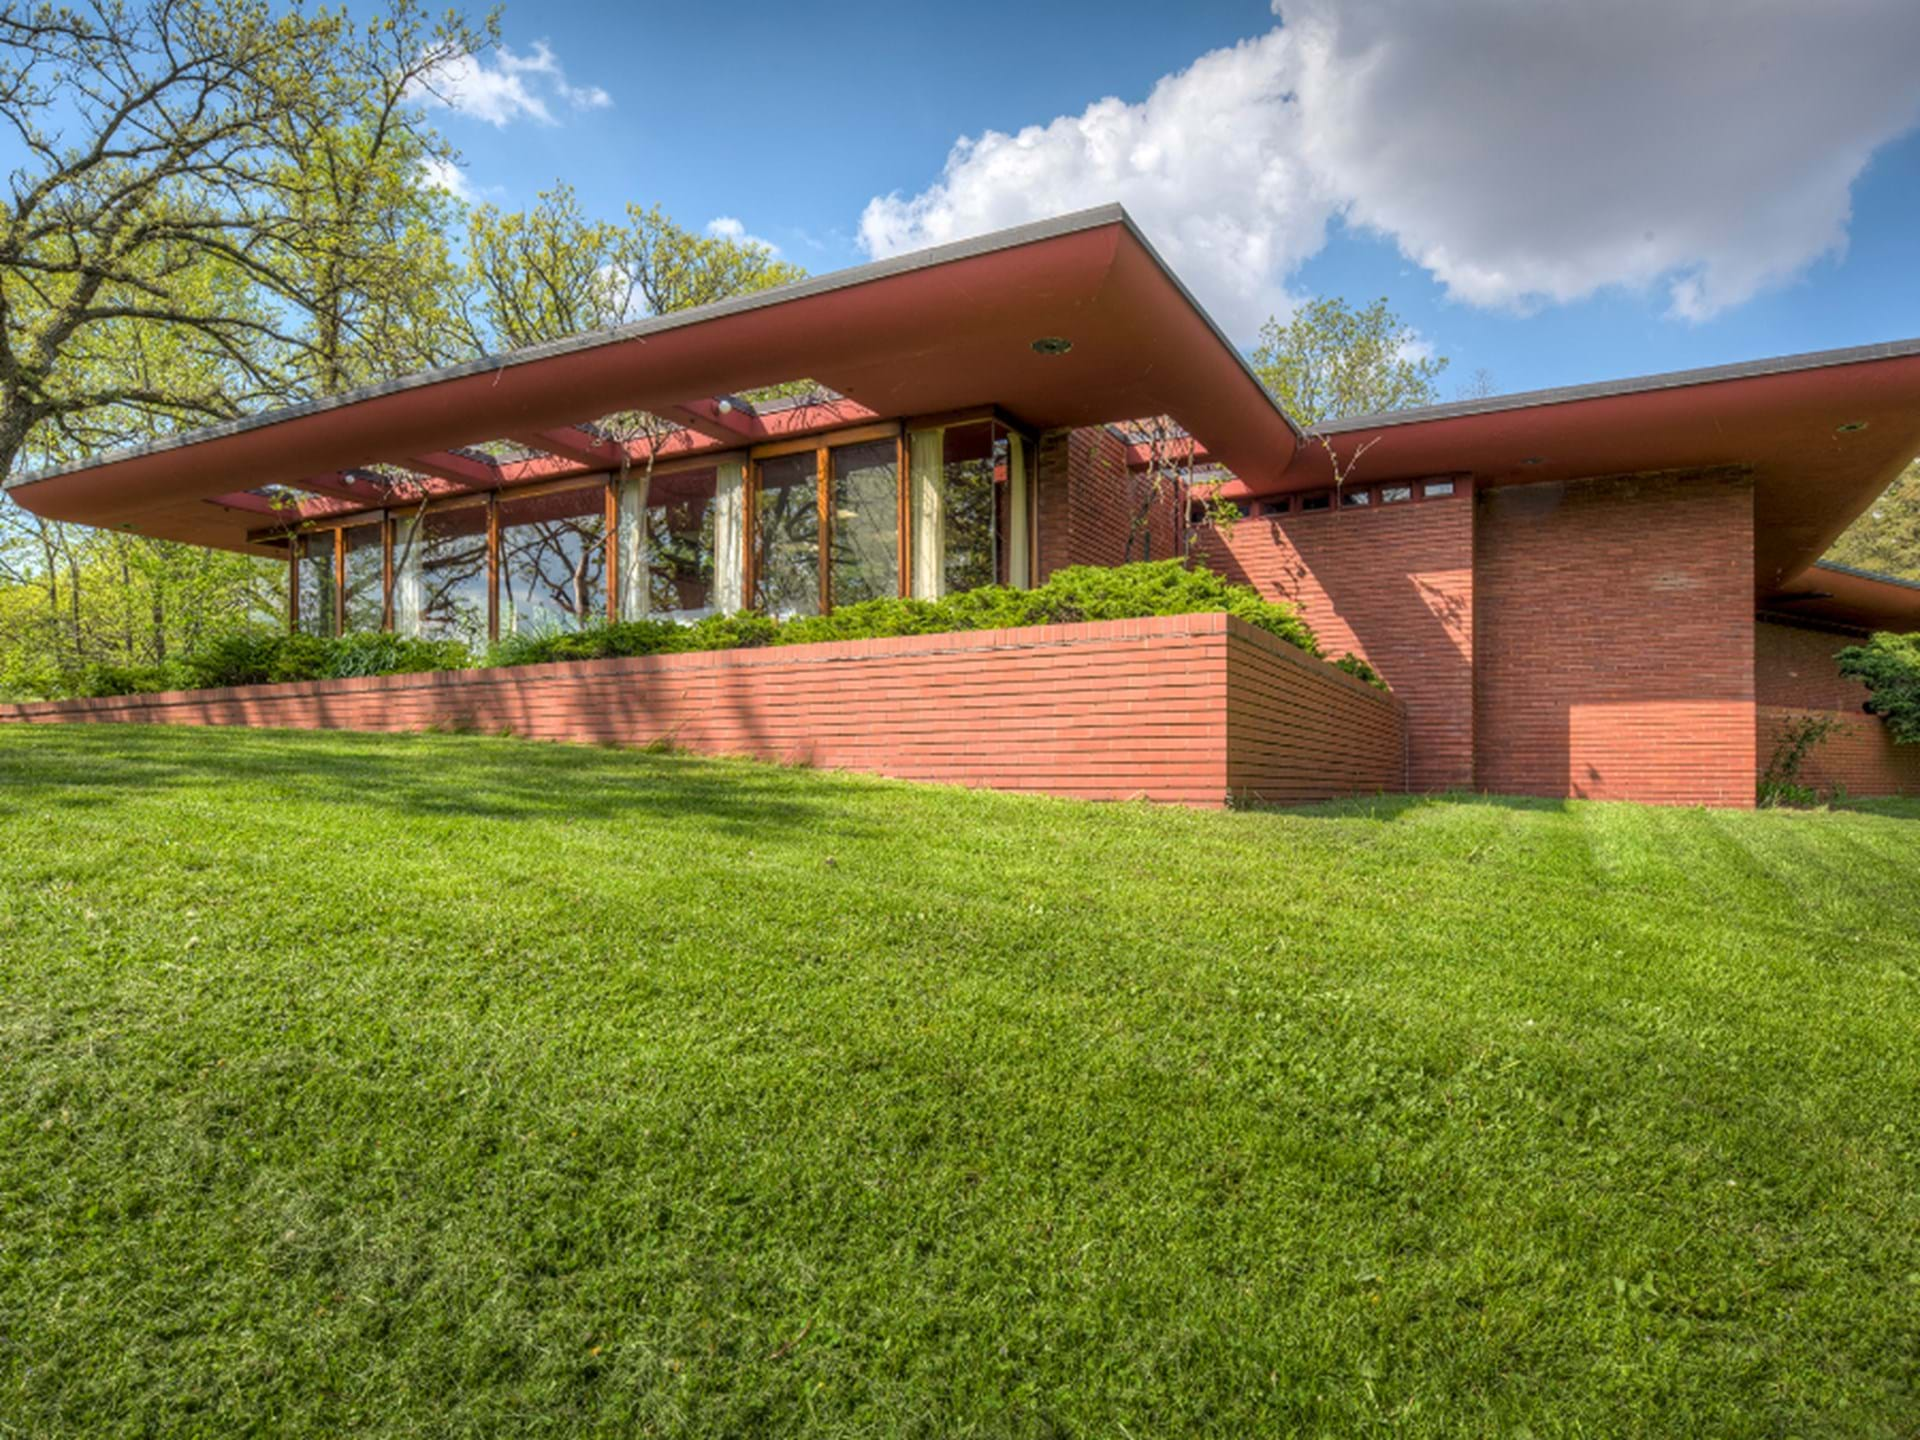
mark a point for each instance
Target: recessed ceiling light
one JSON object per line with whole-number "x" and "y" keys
{"x": 1850, "y": 427}
{"x": 1052, "y": 345}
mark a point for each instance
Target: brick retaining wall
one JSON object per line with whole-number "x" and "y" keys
{"x": 1194, "y": 709}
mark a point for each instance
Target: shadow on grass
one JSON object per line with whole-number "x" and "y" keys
{"x": 1398, "y": 807}
{"x": 1890, "y": 807}
{"x": 437, "y": 774}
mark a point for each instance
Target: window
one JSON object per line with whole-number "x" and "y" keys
{"x": 1395, "y": 494}
{"x": 970, "y": 508}
{"x": 1353, "y": 499}
{"x": 1434, "y": 489}
{"x": 865, "y": 527}
{"x": 668, "y": 544}
{"x": 365, "y": 599}
{"x": 314, "y": 604}
{"x": 786, "y": 536}
{"x": 1322, "y": 501}
{"x": 440, "y": 573}
{"x": 553, "y": 560}
{"x": 1274, "y": 507}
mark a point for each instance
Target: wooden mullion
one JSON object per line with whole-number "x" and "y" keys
{"x": 340, "y": 581}
{"x": 823, "y": 476}
{"x": 293, "y": 584}
{"x": 613, "y": 548}
{"x": 852, "y": 435}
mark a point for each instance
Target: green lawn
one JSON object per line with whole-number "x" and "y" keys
{"x": 458, "y": 1086}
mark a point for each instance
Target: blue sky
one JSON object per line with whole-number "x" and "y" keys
{"x": 1547, "y": 196}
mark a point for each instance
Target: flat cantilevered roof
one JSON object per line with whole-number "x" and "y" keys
{"x": 933, "y": 332}
{"x": 1821, "y": 434}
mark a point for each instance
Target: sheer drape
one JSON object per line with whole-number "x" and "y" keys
{"x": 927, "y": 470}
{"x": 409, "y": 587}
{"x": 729, "y": 540}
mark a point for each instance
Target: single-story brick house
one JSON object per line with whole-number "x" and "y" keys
{"x": 1609, "y": 591}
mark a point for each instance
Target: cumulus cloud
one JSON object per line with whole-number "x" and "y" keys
{"x": 439, "y": 173}
{"x": 728, "y": 227}
{"x": 503, "y": 87}
{"x": 1521, "y": 153}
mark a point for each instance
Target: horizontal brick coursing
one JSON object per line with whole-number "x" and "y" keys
{"x": 1088, "y": 503}
{"x": 1793, "y": 666}
{"x": 1298, "y": 730}
{"x": 1392, "y": 584}
{"x": 1795, "y": 676}
{"x": 1614, "y": 640}
{"x": 1109, "y": 710}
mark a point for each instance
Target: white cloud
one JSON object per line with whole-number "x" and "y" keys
{"x": 1521, "y": 153}
{"x": 439, "y": 173}
{"x": 727, "y": 227}
{"x": 511, "y": 87}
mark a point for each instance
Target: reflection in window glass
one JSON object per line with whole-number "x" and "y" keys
{"x": 553, "y": 561}
{"x": 679, "y": 581}
{"x": 866, "y": 522}
{"x": 440, "y": 575}
{"x": 316, "y": 582}
{"x": 364, "y": 598}
{"x": 786, "y": 537}
{"x": 974, "y": 510}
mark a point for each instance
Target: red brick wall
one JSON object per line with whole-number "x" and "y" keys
{"x": 1794, "y": 666}
{"x": 1087, "y": 503}
{"x": 1614, "y": 640}
{"x": 1394, "y": 585}
{"x": 1795, "y": 676}
{"x": 1298, "y": 729}
{"x": 1101, "y": 711}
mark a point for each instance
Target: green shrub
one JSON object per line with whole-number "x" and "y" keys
{"x": 1083, "y": 592}
{"x": 1889, "y": 666}
{"x": 107, "y": 679}
{"x": 257, "y": 655}
{"x": 375, "y": 652}
{"x": 1360, "y": 670}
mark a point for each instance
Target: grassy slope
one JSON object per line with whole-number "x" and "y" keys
{"x": 450, "y": 1085}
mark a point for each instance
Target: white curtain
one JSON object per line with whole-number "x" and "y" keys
{"x": 1018, "y": 565}
{"x": 927, "y": 474}
{"x": 630, "y": 536}
{"x": 729, "y": 538}
{"x": 409, "y": 588}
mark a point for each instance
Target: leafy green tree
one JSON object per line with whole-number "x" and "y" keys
{"x": 197, "y": 168}
{"x": 1886, "y": 539}
{"x": 1330, "y": 361}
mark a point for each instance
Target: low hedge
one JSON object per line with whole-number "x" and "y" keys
{"x": 1080, "y": 593}
{"x": 1889, "y": 666}
{"x": 260, "y": 656}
